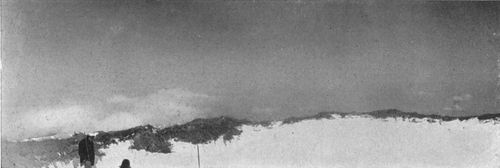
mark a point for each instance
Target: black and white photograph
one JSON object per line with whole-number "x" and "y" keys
{"x": 250, "y": 84}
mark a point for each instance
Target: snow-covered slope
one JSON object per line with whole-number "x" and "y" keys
{"x": 349, "y": 141}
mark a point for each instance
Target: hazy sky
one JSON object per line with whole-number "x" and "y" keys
{"x": 169, "y": 61}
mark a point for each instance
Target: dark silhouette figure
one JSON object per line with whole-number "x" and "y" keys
{"x": 86, "y": 151}
{"x": 125, "y": 163}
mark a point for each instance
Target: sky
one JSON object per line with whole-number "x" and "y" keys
{"x": 82, "y": 65}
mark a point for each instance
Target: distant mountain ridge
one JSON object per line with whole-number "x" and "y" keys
{"x": 156, "y": 140}
{"x": 393, "y": 113}
{"x": 396, "y": 113}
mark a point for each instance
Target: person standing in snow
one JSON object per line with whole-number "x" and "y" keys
{"x": 86, "y": 152}
{"x": 125, "y": 163}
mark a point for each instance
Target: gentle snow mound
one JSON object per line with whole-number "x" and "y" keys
{"x": 354, "y": 141}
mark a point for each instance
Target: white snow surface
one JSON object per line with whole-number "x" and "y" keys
{"x": 354, "y": 141}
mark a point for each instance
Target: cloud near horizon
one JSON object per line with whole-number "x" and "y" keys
{"x": 457, "y": 101}
{"x": 172, "y": 106}
{"x": 163, "y": 108}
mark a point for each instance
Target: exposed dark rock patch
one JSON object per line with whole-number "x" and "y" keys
{"x": 321, "y": 115}
{"x": 204, "y": 130}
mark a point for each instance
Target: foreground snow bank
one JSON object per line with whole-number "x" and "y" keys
{"x": 354, "y": 141}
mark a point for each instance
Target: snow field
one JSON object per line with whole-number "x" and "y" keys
{"x": 353, "y": 141}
